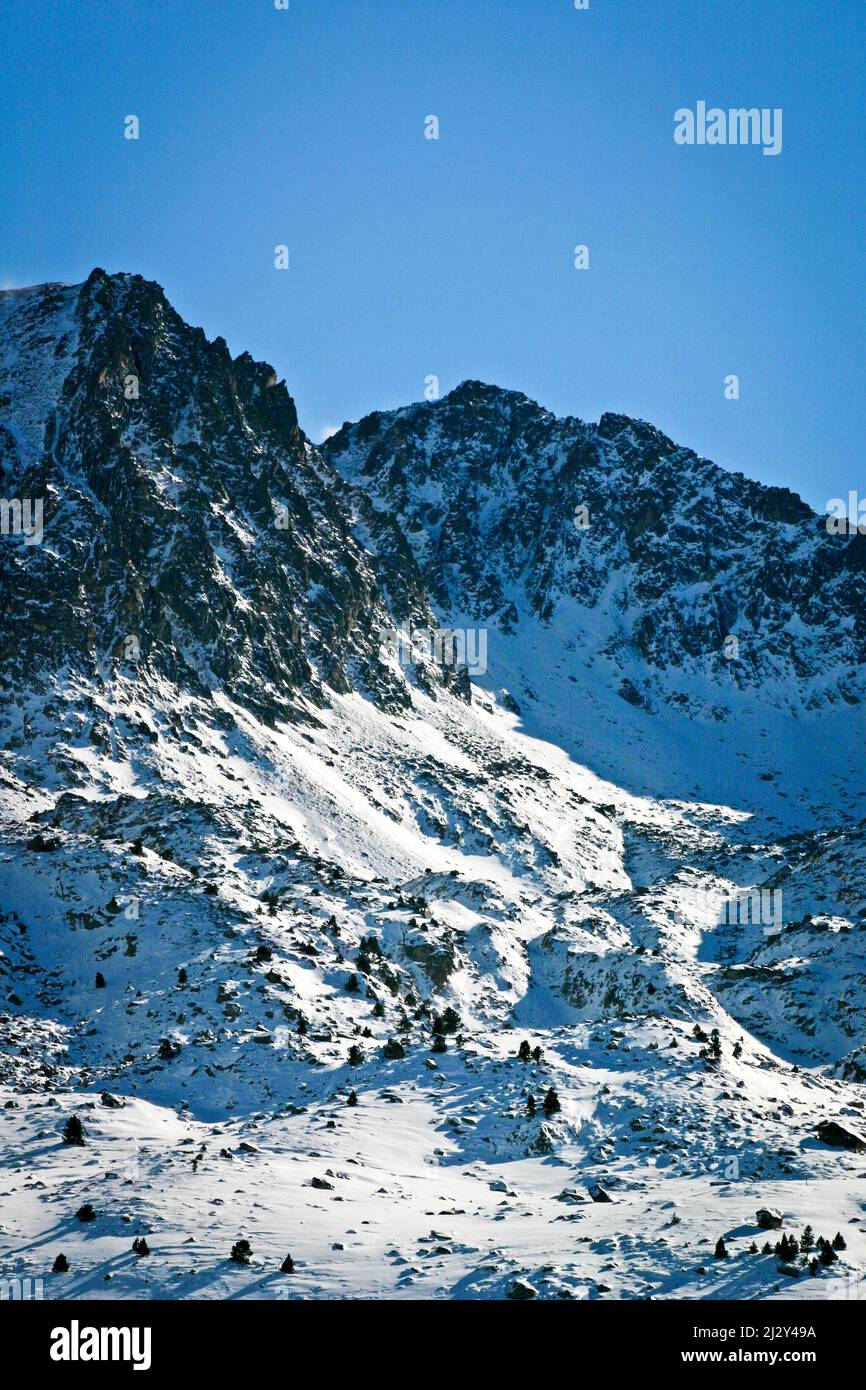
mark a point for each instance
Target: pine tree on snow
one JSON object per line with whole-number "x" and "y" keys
{"x": 73, "y": 1131}
{"x": 551, "y": 1103}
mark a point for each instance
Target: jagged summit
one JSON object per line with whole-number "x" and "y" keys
{"x": 474, "y": 393}
{"x": 654, "y": 550}
{"x": 188, "y": 520}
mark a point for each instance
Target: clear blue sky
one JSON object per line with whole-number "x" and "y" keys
{"x": 455, "y": 257}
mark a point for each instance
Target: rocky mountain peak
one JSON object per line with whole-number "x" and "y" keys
{"x": 660, "y": 554}
{"x": 190, "y": 526}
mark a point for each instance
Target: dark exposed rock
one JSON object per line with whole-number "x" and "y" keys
{"x": 598, "y": 1194}
{"x": 841, "y": 1137}
{"x": 521, "y": 1291}
{"x": 769, "y": 1218}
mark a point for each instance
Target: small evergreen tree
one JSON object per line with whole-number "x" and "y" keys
{"x": 537, "y": 1054}
{"x": 699, "y": 1034}
{"x": 73, "y": 1131}
{"x": 766, "y": 1248}
{"x": 524, "y": 1051}
{"x": 738, "y": 1050}
{"x": 356, "y": 1056}
{"x": 378, "y": 1009}
{"x": 839, "y": 1241}
{"x": 715, "y": 1045}
{"x": 828, "y": 1255}
{"x": 721, "y": 1252}
{"x": 807, "y": 1240}
{"x": 439, "y": 1044}
{"x": 353, "y": 1099}
{"x": 352, "y": 985}
{"x": 182, "y": 976}
{"x": 86, "y": 1213}
{"x": 550, "y": 1104}
{"x": 241, "y": 1252}
{"x": 530, "y": 1106}
{"x": 288, "y": 1265}
{"x": 61, "y": 1265}
{"x": 100, "y": 980}
{"x": 140, "y": 1246}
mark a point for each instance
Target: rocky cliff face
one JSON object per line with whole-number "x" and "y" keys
{"x": 190, "y": 528}
{"x": 640, "y": 547}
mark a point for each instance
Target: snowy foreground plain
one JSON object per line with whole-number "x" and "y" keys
{"x": 435, "y": 1188}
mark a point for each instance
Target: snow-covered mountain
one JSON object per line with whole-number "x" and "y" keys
{"x": 253, "y": 862}
{"x": 650, "y": 554}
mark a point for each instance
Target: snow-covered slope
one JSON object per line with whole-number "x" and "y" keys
{"x": 250, "y": 864}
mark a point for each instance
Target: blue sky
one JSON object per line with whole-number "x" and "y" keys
{"x": 454, "y": 257}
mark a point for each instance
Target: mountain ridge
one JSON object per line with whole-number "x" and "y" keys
{"x": 518, "y": 495}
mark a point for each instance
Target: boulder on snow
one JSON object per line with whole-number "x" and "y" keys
{"x": 521, "y": 1290}
{"x": 598, "y": 1194}
{"x": 831, "y": 1132}
{"x": 769, "y": 1218}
